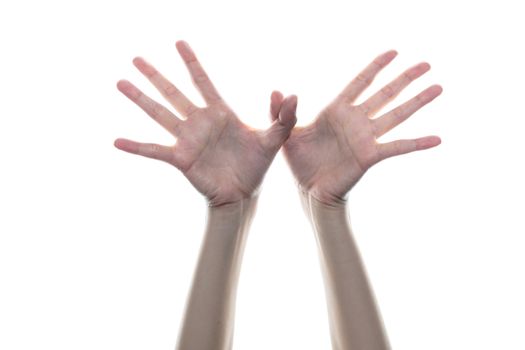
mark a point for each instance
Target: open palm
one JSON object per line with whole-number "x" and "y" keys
{"x": 331, "y": 154}
{"x": 222, "y": 157}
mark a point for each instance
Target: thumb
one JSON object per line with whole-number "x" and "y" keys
{"x": 283, "y": 123}
{"x": 287, "y": 113}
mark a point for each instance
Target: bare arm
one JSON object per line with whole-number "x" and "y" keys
{"x": 328, "y": 157}
{"x": 225, "y": 160}
{"x": 209, "y": 316}
{"x": 355, "y": 322}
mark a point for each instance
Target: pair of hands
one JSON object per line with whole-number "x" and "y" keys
{"x": 226, "y": 160}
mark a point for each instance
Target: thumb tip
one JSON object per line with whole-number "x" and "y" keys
{"x": 292, "y": 103}
{"x": 287, "y": 115}
{"x": 294, "y": 100}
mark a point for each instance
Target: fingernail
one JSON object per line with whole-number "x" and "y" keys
{"x": 294, "y": 100}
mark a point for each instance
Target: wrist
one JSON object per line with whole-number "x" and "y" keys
{"x": 231, "y": 198}
{"x": 311, "y": 198}
{"x": 235, "y": 212}
{"x": 324, "y": 216}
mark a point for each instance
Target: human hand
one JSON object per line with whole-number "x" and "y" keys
{"x": 222, "y": 157}
{"x": 330, "y": 155}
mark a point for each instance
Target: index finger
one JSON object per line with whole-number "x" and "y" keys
{"x": 155, "y": 110}
{"x": 177, "y": 99}
{"x": 200, "y": 78}
{"x": 352, "y": 91}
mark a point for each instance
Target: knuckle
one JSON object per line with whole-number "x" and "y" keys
{"x": 365, "y": 109}
{"x": 372, "y": 158}
{"x": 418, "y": 100}
{"x": 154, "y": 149}
{"x": 171, "y": 90}
{"x": 375, "y": 127}
{"x": 380, "y": 154}
{"x": 397, "y": 147}
{"x": 407, "y": 76}
{"x": 175, "y": 127}
{"x": 388, "y": 91}
{"x": 222, "y": 111}
{"x": 190, "y": 109}
{"x": 378, "y": 62}
{"x": 398, "y": 113}
{"x": 200, "y": 77}
{"x": 157, "y": 110}
{"x": 364, "y": 78}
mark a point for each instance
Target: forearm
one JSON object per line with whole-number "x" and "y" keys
{"x": 209, "y": 315}
{"x": 355, "y": 323}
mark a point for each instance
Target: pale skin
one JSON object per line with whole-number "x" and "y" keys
{"x": 222, "y": 157}
{"x": 226, "y": 161}
{"x": 331, "y": 154}
{"x": 327, "y": 158}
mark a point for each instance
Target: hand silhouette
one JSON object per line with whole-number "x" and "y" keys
{"x": 222, "y": 157}
{"x": 331, "y": 154}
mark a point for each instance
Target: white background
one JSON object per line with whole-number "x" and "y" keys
{"x": 97, "y": 246}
